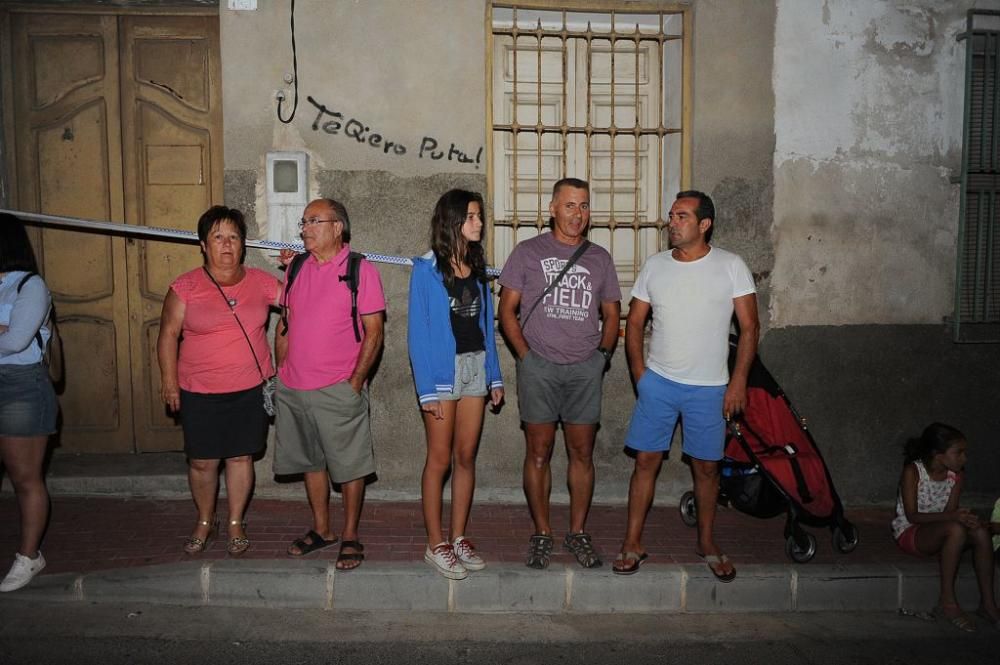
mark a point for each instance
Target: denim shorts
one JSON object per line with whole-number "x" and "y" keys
{"x": 470, "y": 377}
{"x": 28, "y": 406}
{"x": 655, "y": 414}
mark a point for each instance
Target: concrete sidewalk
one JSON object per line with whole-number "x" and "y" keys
{"x": 130, "y": 550}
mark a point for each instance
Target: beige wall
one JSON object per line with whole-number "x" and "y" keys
{"x": 828, "y": 152}
{"x": 416, "y": 69}
{"x": 402, "y": 70}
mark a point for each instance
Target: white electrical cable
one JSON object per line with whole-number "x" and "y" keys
{"x": 185, "y": 236}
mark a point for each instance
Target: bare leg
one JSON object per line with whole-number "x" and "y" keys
{"x": 468, "y": 425}
{"x": 983, "y": 561}
{"x": 946, "y": 539}
{"x": 318, "y": 493}
{"x": 354, "y": 499}
{"x": 439, "y": 438}
{"x": 539, "y": 440}
{"x": 580, "y": 448}
{"x": 239, "y": 483}
{"x": 706, "y": 495}
{"x": 641, "y": 489}
{"x": 23, "y": 457}
{"x": 203, "y": 477}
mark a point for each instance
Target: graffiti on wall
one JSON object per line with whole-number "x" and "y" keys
{"x": 333, "y": 122}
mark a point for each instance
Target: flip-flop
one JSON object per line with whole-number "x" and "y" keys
{"x": 627, "y": 563}
{"x": 714, "y": 560}
{"x": 316, "y": 542}
{"x": 960, "y": 621}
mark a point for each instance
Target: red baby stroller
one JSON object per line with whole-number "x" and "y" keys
{"x": 772, "y": 465}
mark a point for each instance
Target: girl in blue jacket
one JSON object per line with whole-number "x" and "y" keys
{"x": 455, "y": 369}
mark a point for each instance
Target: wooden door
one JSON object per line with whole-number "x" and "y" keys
{"x": 171, "y": 118}
{"x": 116, "y": 118}
{"x": 68, "y": 154}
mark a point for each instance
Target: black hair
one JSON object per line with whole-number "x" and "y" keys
{"x": 705, "y": 209}
{"x": 15, "y": 246}
{"x": 936, "y": 438}
{"x": 575, "y": 183}
{"x": 447, "y": 241}
{"x": 218, "y": 214}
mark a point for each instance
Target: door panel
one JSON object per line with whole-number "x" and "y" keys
{"x": 171, "y": 110}
{"x": 66, "y": 111}
{"x": 116, "y": 118}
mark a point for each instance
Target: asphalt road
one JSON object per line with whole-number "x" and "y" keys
{"x": 77, "y": 633}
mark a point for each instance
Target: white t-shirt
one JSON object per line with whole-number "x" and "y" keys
{"x": 692, "y": 308}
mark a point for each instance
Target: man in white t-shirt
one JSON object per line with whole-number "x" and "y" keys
{"x": 693, "y": 290}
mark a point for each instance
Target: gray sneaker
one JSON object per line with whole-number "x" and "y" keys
{"x": 466, "y": 553}
{"x": 442, "y": 557}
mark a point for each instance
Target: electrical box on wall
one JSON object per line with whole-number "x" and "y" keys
{"x": 287, "y": 194}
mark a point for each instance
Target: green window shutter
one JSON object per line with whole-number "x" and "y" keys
{"x": 977, "y": 283}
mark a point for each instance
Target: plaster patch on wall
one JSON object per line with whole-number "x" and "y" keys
{"x": 862, "y": 244}
{"x": 859, "y": 78}
{"x": 868, "y": 135}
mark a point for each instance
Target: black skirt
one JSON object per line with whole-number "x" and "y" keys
{"x": 221, "y": 425}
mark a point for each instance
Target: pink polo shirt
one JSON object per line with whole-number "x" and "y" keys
{"x": 214, "y": 355}
{"x": 322, "y": 350}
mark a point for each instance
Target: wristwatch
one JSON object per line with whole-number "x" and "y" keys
{"x": 604, "y": 352}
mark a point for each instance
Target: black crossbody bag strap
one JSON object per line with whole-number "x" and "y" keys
{"x": 548, "y": 289}
{"x": 238, "y": 322}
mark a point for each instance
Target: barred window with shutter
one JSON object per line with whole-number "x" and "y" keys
{"x": 599, "y": 94}
{"x": 977, "y": 282}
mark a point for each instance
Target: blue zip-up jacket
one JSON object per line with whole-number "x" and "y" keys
{"x": 430, "y": 338}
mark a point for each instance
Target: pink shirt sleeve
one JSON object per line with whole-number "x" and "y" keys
{"x": 185, "y": 285}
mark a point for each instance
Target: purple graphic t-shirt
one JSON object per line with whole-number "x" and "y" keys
{"x": 565, "y": 327}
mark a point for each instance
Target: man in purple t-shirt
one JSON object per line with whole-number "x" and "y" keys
{"x": 562, "y": 352}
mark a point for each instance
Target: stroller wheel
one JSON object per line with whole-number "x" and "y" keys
{"x": 801, "y": 552}
{"x": 846, "y": 540}
{"x": 689, "y": 511}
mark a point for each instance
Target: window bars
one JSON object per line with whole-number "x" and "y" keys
{"x": 602, "y": 95}
{"x": 977, "y": 281}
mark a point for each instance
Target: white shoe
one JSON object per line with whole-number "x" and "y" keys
{"x": 465, "y": 551}
{"x": 443, "y": 558}
{"x": 22, "y": 571}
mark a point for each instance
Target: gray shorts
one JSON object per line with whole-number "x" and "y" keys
{"x": 327, "y": 428}
{"x": 470, "y": 377}
{"x": 548, "y": 392}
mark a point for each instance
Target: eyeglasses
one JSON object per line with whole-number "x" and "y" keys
{"x": 303, "y": 223}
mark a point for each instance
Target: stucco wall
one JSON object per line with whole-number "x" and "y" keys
{"x": 420, "y": 73}
{"x": 868, "y": 111}
{"x": 827, "y": 133}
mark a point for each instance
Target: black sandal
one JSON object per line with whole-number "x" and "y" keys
{"x": 539, "y": 550}
{"x": 581, "y": 547}
{"x": 315, "y": 542}
{"x": 357, "y": 555}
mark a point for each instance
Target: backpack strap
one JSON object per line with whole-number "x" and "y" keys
{"x": 38, "y": 333}
{"x": 353, "y": 279}
{"x": 290, "y": 274}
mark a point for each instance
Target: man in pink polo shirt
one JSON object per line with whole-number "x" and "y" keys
{"x": 322, "y": 421}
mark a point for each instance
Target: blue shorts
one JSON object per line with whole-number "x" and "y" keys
{"x": 661, "y": 401}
